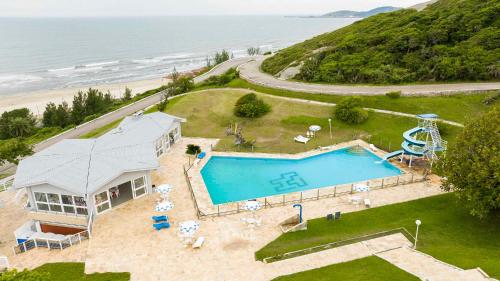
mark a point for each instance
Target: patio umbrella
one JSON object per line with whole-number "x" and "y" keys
{"x": 164, "y": 188}
{"x": 252, "y": 206}
{"x": 188, "y": 227}
{"x": 361, "y": 188}
{"x": 164, "y": 206}
{"x": 314, "y": 128}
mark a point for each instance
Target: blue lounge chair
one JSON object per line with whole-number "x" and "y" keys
{"x": 160, "y": 218}
{"x": 201, "y": 155}
{"x": 160, "y": 226}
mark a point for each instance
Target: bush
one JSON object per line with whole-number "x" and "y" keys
{"x": 491, "y": 99}
{"x": 349, "y": 110}
{"x": 223, "y": 79}
{"x": 267, "y": 53}
{"x": 393, "y": 95}
{"x": 193, "y": 149}
{"x": 249, "y": 106}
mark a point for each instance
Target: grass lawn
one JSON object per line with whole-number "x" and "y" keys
{"x": 210, "y": 113}
{"x": 75, "y": 271}
{"x": 367, "y": 269}
{"x": 447, "y": 232}
{"x": 102, "y": 130}
{"x": 456, "y": 107}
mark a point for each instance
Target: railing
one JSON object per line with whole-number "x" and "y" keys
{"x": 299, "y": 197}
{"x": 52, "y": 244}
{"x": 335, "y": 244}
{"x": 6, "y": 183}
{"x": 190, "y": 187}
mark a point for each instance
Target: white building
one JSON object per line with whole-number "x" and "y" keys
{"x": 83, "y": 176}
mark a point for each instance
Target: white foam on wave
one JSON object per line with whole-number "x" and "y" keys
{"x": 103, "y": 63}
{"x": 18, "y": 79}
{"x": 63, "y": 69}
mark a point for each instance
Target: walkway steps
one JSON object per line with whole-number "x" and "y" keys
{"x": 428, "y": 268}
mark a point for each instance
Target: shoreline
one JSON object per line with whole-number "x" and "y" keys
{"x": 37, "y": 100}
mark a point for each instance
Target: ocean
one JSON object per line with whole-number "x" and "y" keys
{"x": 53, "y": 53}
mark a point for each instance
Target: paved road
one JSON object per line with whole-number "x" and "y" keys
{"x": 251, "y": 72}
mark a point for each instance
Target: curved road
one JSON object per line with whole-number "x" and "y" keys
{"x": 250, "y": 71}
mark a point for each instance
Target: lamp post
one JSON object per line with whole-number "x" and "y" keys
{"x": 418, "y": 223}
{"x": 300, "y": 211}
{"x": 330, "y": 124}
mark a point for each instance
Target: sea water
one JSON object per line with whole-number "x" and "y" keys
{"x": 50, "y": 53}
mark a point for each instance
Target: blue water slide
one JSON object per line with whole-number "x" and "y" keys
{"x": 408, "y": 136}
{"x": 393, "y": 154}
{"x": 411, "y": 146}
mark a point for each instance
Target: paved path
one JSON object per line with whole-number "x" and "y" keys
{"x": 251, "y": 72}
{"x": 428, "y": 268}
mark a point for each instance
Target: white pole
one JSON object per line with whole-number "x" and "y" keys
{"x": 330, "y": 124}
{"x": 417, "y": 222}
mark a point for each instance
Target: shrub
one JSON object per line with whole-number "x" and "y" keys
{"x": 349, "y": 110}
{"x": 249, "y": 106}
{"x": 393, "y": 95}
{"x": 491, "y": 99}
{"x": 223, "y": 79}
{"x": 267, "y": 53}
{"x": 193, "y": 149}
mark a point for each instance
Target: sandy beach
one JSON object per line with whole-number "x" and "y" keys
{"x": 37, "y": 100}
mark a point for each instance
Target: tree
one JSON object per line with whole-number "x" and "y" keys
{"x": 221, "y": 57}
{"x": 174, "y": 75}
{"x": 13, "y": 150}
{"x": 349, "y": 110}
{"x": 56, "y": 116}
{"x": 17, "y": 123}
{"x": 249, "y": 106}
{"x": 78, "y": 109}
{"x": 471, "y": 167}
{"x": 127, "y": 95}
{"x": 48, "y": 118}
{"x": 163, "y": 102}
{"x": 185, "y": 84}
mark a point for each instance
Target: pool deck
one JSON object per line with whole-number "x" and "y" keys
{"x": 124, "y": 240}
{"x": 206, "y": 206}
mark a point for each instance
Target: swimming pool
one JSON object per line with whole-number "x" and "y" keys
{"x": 230, "y": 179}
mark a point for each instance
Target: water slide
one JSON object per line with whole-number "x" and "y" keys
{"x": 410, "y": 145}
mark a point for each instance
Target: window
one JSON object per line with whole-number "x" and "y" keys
{"x": 140, "y": 186}
{"x": 159, "y": 147}
{"x": 102, "y": 201}
{"x": 53, "y": 198}
{"x": 60, "y": 203}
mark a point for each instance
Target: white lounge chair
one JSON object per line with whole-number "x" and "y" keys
{"x": 198, "y": 243}
{"x": 373, "y": 148}
{"x": 301, "y": 139}
{"x": 368, "y": 203}
{"x": 196, "y": 162}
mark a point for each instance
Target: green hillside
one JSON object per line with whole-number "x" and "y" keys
{"x": 450, "y": 40}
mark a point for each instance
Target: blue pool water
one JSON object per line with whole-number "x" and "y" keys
{"x": 230, "y": 179}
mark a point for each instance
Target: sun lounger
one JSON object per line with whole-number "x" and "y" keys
{"x": 201, "y": 155}
{"x": 373, "y": 148}
{"x": 162, "y": 225}
{"x": 368, "y": 203}
{"x": 198, "y": 243}
{"x": 301, "y": 139}
{"x": 159, "y": 218}
{"x": 337, "y": 215}
{"x": 196, "y": 162}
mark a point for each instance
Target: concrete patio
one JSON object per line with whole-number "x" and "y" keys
{"x": 124, "y": 239}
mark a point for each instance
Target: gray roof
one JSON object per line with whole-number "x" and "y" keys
{"x": 83, "y": 166}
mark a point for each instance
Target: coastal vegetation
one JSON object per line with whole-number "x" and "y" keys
{"x": 472, "y": 165}
{"x": 448, "y": 232}
{"x": 371, "y": 268}
{"x": 447, "y": 41}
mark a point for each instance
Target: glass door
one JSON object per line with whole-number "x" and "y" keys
{"x": 139, "y": 187}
